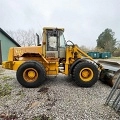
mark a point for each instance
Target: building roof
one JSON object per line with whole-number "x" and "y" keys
{"x": 2, "y": 31}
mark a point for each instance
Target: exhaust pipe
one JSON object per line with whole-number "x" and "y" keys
{"x": 38, "y": 40}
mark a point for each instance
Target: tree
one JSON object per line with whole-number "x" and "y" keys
{"x": 85, "y": 49}
{"x": 24, "y": 38}
{"x": 106, "y": 40}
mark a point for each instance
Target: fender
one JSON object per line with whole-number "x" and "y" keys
{"x": 74, "y": 64}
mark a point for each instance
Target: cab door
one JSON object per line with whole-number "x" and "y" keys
{"x": 52, "y": 44}
{"x": 62, "y": 46}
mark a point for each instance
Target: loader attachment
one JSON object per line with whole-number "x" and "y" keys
{"x": 110, "y": 72}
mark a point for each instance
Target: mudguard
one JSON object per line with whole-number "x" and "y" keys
{"x": 74, "y": 64}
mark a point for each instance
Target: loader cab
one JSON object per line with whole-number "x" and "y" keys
{"x": 55, "y": 43}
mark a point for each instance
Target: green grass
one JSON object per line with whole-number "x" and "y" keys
{"x": 1, "y": 71}
{"x": 42, "y": 117}
{"x": 5, "y": 90}
{"x": 6, "y": 78}
{"x": 115, "y": 58}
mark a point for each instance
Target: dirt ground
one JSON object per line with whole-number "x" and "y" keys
{"x": 57, "y": 99}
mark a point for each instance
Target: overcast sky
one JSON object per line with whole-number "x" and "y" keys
{"x": 83, "y": 20}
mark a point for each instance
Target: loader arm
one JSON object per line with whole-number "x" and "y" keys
{"x": 83, "y": 55}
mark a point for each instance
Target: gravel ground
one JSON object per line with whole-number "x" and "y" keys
{"x": 57, "y": 99}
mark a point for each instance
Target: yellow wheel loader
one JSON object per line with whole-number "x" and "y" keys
{"x": 53, "y": 56}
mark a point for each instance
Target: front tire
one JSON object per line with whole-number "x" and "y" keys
{"x": 31, "y": 74}
{"x": 85, "y": 74}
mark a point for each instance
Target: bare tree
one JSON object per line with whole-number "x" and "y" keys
{"x": 23, "y": 37}
{"x": 84, "y": 48}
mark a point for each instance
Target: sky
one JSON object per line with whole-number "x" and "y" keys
{"x": 83, "y": 20}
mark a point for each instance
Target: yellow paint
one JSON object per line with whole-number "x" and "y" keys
{"x": 7, "y": 65}
{"x": 50, "y": 28}
{"x": 19, "y": 51}
{"x": 52, "y": 68}
{"x": 69, "y": 54}
{"x": 11, "y": 54}
{"x": 86, "y": 74}
{"x": 16, "y": 64}
{"x": 30, "y": 75}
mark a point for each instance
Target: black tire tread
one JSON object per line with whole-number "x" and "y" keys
{"x": 36, "y": 65}
{"x": 77, "y": 79}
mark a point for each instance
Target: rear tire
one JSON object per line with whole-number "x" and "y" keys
{"x": 31, "y": 74}
{"x": 85, "y": 74}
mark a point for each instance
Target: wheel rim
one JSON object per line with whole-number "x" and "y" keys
{"x": 30, "y": 75}
{"x": 86, "y": 74}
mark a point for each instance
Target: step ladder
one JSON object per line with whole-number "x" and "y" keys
{"x": 113, "y": 99}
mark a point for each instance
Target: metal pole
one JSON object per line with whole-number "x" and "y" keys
{"x": 113, "y": 90}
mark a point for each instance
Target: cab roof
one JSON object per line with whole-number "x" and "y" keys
{"x": 50, "y": 28}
